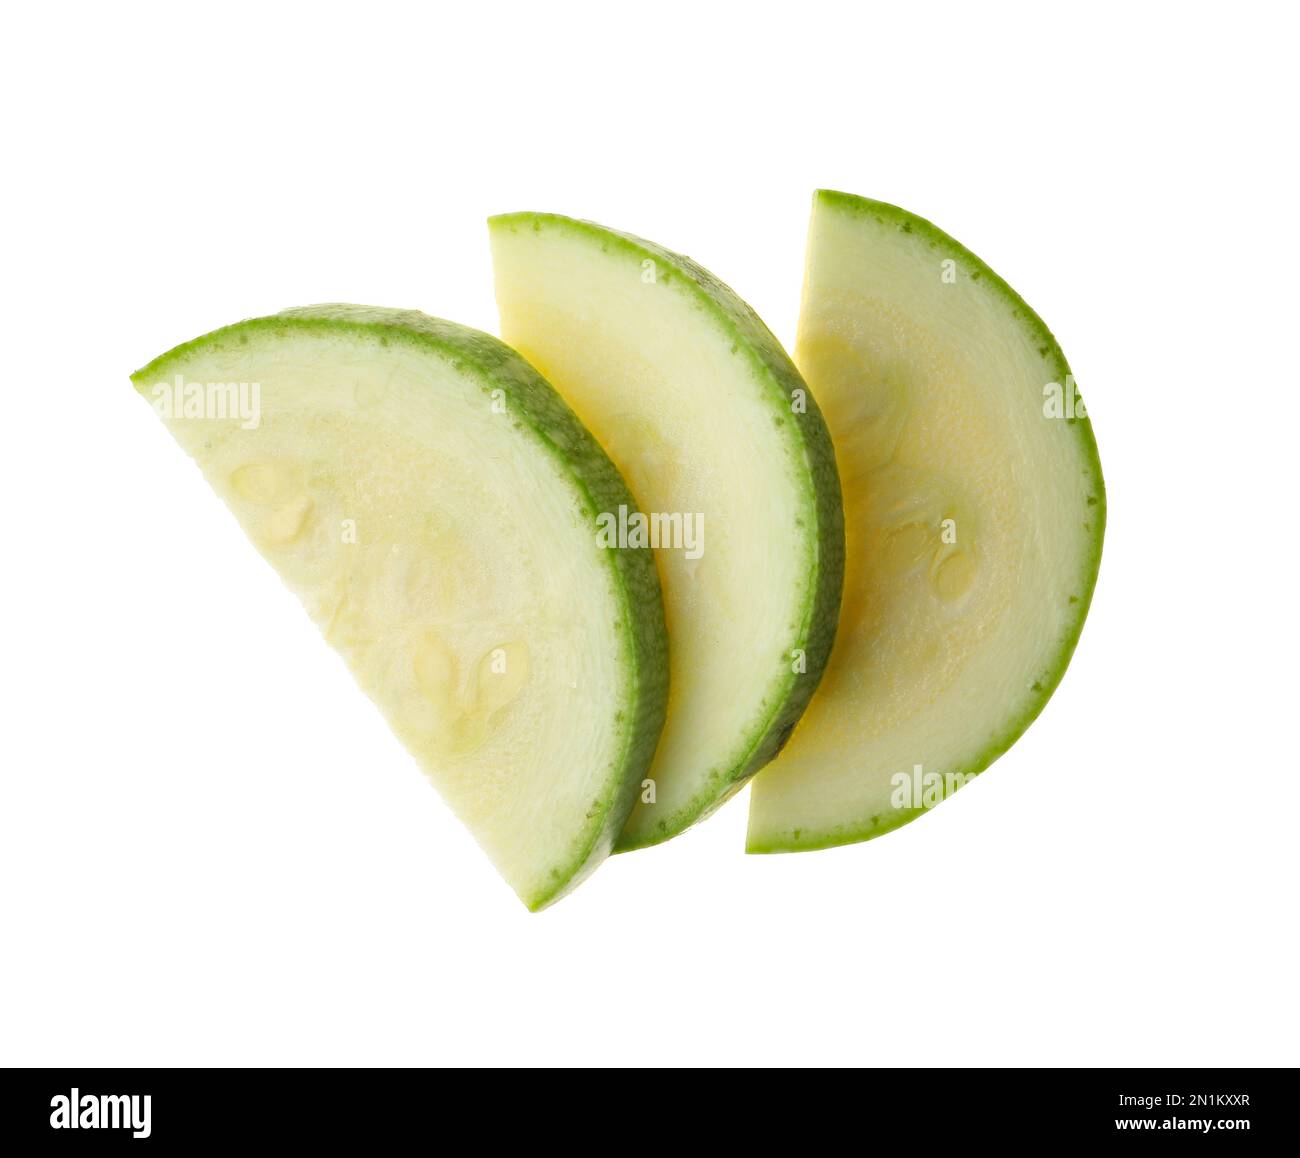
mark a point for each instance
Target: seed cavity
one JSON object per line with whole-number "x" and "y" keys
{"x": 267, "y": 482}
{"x": 287, "y": 523}
{"x": 954, "y": 575}
{"x": 458, "y": 719}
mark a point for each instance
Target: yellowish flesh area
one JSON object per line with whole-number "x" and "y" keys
{"x": 676, "y": 404}
{"x": 965, "y": 507}
{"x": 458, "y": 579}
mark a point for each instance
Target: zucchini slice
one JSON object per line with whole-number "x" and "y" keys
{"x": 974, "y": 511}
{"x": 714, "y": 429}
{"x": 434, "y": 504}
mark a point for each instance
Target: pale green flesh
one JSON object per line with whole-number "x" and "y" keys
{"x": 932, "y": 374}
{"x": 705, "y": 416}
{"x": 431, "y": 501}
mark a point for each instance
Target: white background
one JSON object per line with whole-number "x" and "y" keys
{"x": 211, "y": 848}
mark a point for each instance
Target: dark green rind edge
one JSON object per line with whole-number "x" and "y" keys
{"x": 810, "y": 441}
{"x": 545, "y": 416}
{"x": 1056, "y": 364}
